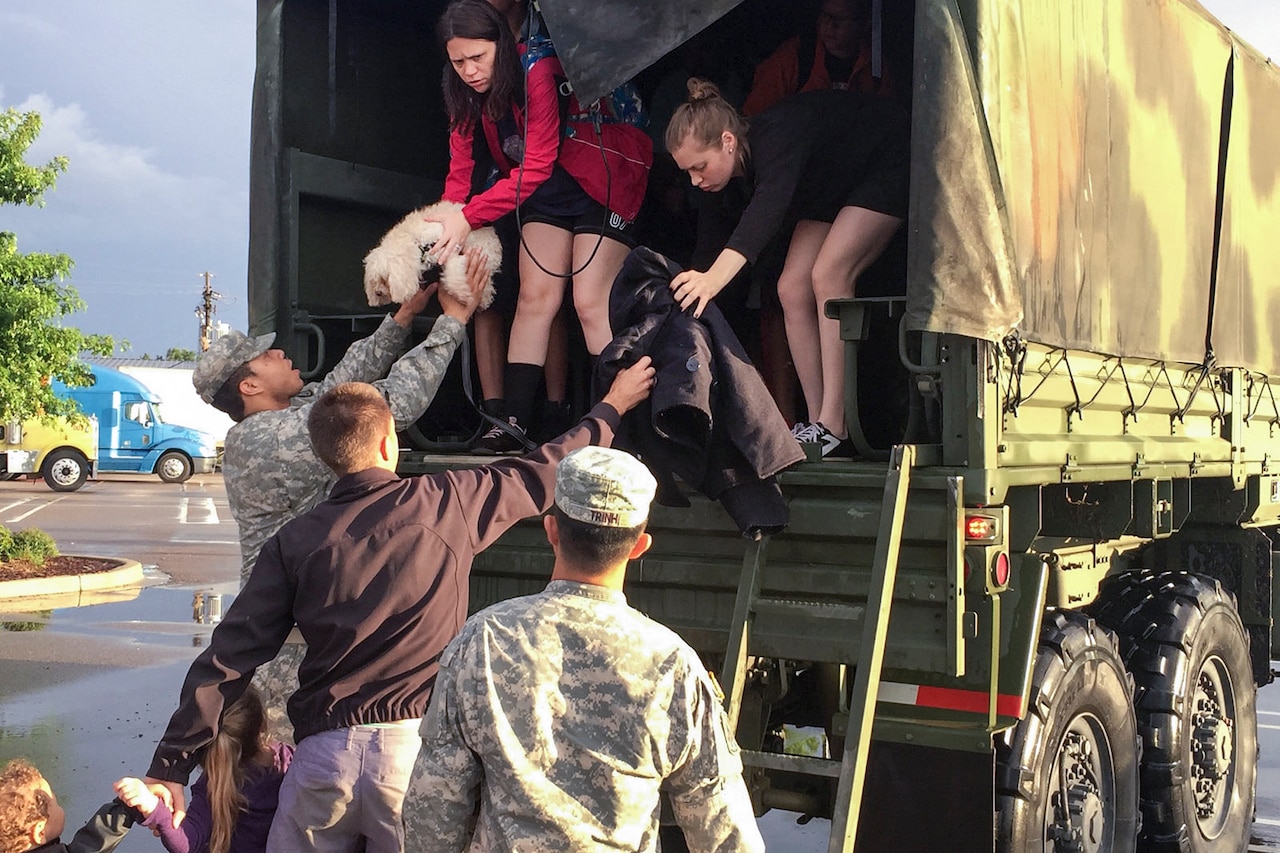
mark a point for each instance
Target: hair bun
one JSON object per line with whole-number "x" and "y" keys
{"x": 701, "y": 89}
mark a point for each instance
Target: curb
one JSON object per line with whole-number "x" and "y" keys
{"x": 128, "y": 573}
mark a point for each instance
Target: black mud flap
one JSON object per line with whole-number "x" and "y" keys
{"x": 921, "y": 798}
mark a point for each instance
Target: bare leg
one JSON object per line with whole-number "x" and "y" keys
{"x": 540, "y": 291}
{"x": 556, "y": 373}
{"x": 592, "y": 285}
{"x": 800, "y": 310}
{"x": 775, "y": 363}
{"x": 853, "y": 242}
{"x": 491, "y": 353}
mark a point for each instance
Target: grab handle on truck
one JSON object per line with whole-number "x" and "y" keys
{"x": 311, "y": 371}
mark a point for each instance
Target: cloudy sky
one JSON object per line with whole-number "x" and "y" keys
{"x": 150, "y": 101}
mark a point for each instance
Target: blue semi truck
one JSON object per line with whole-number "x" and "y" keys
{"x": 133, "y": 436}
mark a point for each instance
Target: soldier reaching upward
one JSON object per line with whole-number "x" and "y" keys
{"x": 270, "y": 470}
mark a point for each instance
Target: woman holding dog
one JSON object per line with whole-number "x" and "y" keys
{"x": 575, "y": 212}
{"x": 834, "y": 163}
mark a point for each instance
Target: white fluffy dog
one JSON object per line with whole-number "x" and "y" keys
{"x": 393, "y": 270}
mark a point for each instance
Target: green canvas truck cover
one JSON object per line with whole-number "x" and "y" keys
{"x": 1069, "y": 161}
{"x": 1095, "y": 176}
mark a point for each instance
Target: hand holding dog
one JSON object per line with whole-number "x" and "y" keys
{"x": 414, "y": 305}
{"x": 456, "y": 229}
{"x": 477, "y": 278}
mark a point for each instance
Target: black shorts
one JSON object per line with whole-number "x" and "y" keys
{"x": 596, "y": 220}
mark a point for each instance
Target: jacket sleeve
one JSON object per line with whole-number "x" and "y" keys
{"x": 194, "y": 832}
{"x": 494, "y": 497}
{"x": 775, "y": 78}
{"x": 708, "y": 794}
{"x": 105, "y": 830}
{"x": 542, "y": 148}
{"x": 367, "y": 359}
{"x": 780, "y": 156}
{"x": 457, "y": 186}
{"x": 414, "y": 379}
{"x": 447, "y": 776}
{"x": 251, "y": 633}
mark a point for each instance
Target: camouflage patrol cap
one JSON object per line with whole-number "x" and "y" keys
{"x": 604, "y": 487}
{"x": 224, "y": 357}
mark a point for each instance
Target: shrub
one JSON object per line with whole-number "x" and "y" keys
{"x": 34, "y": 545}
{"x": 6, "y": 544}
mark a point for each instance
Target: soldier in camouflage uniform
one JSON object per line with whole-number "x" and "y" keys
{"x": 562, "y": 714}
{"x": 270, "y": 471}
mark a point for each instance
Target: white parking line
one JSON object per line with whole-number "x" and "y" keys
{"x": 8, "y": 507}
{"x": 187, "y": 507}
{"x": 33, "y": 511}
{"x": 205, "y": 541}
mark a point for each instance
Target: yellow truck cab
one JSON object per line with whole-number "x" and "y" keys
{"x": 64, "y": 454}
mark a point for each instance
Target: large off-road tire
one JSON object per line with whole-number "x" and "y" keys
{"x": 173, "y": 467}
{"x": 65, "y": 470}
{"x": 1067, "y": 775}
{"x": 1183, "y": 642}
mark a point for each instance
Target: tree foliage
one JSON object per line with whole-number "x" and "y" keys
{"x": 34, "y": 344}
{"x": 179, "y": 354}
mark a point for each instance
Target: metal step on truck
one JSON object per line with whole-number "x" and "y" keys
{"x": 1033, "y": 613}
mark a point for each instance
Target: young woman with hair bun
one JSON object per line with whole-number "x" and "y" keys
{"x": 835, "y": 164}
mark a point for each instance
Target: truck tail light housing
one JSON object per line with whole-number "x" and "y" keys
{"x": 982, "y": 528}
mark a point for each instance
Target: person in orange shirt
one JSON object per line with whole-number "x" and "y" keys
{"x": 836, "y": 56}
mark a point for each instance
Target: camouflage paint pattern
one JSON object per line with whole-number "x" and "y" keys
{"x": 1066, "y": 177}
{"x": 563, "y": 713}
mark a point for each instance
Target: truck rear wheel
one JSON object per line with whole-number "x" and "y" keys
{"x": 174, "y": 467}
{"x": 65, "y": 470}
{"x": 1186, "y": 647}
{"x": 1067, "y": 775}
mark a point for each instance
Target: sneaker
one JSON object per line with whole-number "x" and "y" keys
{"x": 499, "y": 440}
{"x": 803, "y": 431}
{"x": 830, "y": 446}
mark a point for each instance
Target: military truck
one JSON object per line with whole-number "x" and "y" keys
{"x": 1033, "y": 613}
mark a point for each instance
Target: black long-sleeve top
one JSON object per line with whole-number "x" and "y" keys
{"x": 803, "y": 148}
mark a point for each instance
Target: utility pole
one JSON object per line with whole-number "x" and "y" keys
{"x": 205, "y": 311}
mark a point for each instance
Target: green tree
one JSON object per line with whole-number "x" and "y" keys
{"x": 34, "y": 344}
{"x": 180, "y": 354}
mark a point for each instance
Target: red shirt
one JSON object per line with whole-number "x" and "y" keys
{"x": 620, "y": 189}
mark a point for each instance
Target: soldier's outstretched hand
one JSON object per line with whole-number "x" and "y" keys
{"x": 477, "y": 278}
{"x": 414, "y": 305}
{"x": 631, "y": 386}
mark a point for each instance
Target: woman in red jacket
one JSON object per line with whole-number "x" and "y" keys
{"x": 577, "y": 176}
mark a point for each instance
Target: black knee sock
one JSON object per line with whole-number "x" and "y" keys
{"x": 520, "y": 382}
{"x": 495, "y": 406}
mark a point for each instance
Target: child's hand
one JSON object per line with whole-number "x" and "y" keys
{"x": 134, "y": 792}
